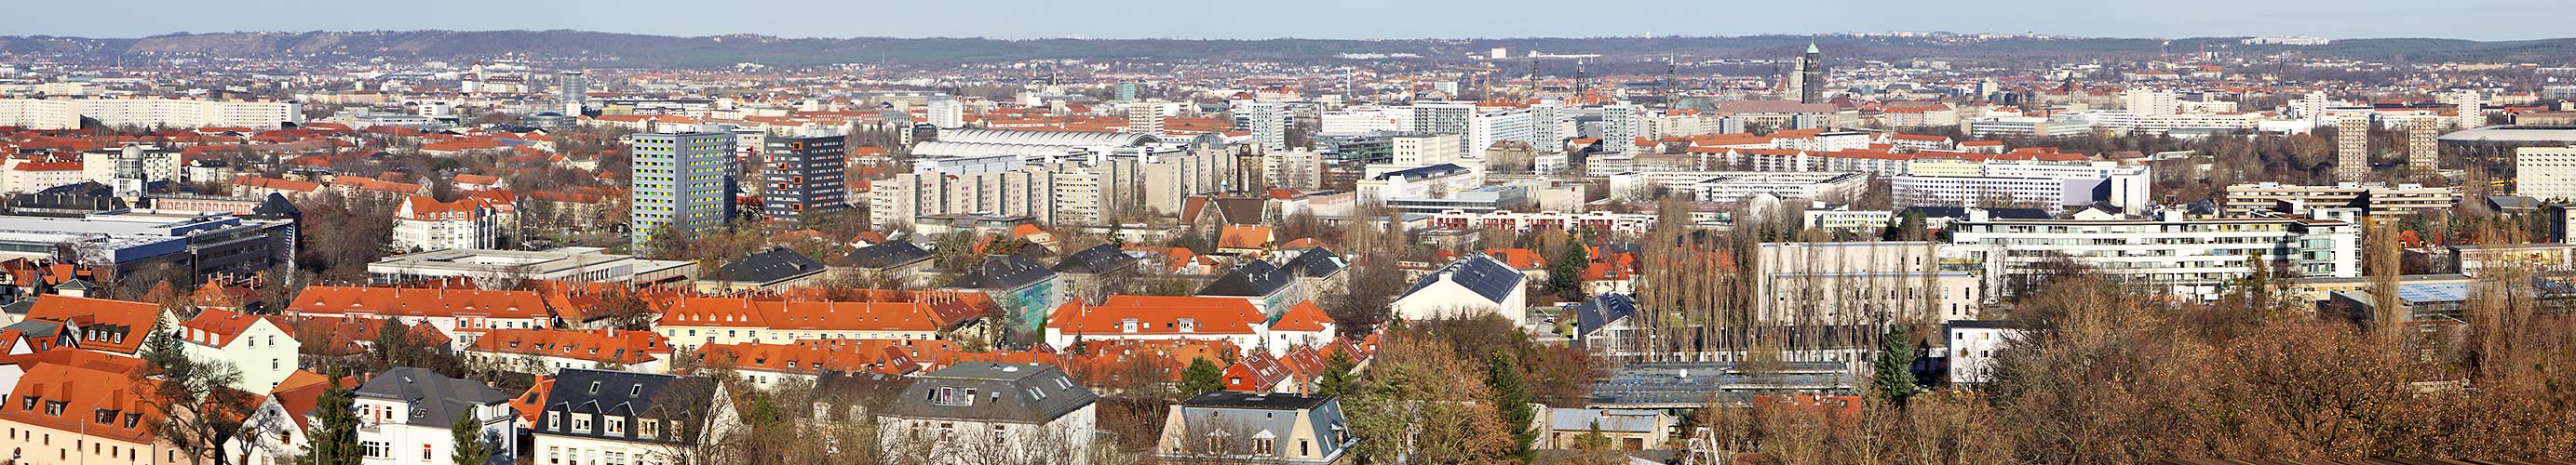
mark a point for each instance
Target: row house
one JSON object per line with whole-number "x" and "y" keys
{"x": 1132, "y": 317}
{"x": 701, "y": 321}
{"x": 546, "y": 351}
{"x": 462, "y": 314}
{"x": 261, "y": 348}
{"x": 424, "y": 223}
{"x": 765, "y": 365}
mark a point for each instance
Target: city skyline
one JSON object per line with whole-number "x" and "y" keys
{"x": 1328, "y": 19}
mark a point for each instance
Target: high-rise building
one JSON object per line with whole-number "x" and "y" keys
{"x": 2546, "y": 173}
{"x": 945, "y": 113}
{"x": 1811, "y": 75}
{"x": 573, "y": 90}
{"x": 2352, "y": 147}
{"x": 683, "y": 183}
{"x": 2143, "y": 101}
{"x": 1620, "y": 127}
{"x": 2471, "y": 115}
{"x": 1444, "y": 118}
{"x": 804, "y": 175}
{"x": 1126, "y": 91}
{"x": 2423, "y": 151}
{"x": 1145, "y": 118}
{"x": 2312, "y": 107}
{"x": 1268, "y": 122}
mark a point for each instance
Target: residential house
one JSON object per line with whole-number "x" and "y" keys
{"x": 980, "y": 412}
{"x": 1024, "y": 289}
{"x": 70, "y": 414}
{"x": 424, "y": 223}
{"x": 1264, "y": 284}
{"x": 767, "y": 271}
{"x": 1088, "y": 273}
{"x": 276, "y": 427}
{"x": 1252, "y": 427}
{"x": 1475, "y": 286}
{"x": 894, "y": 261}
{"x": 113, "y": 327}
{"x": 547, "y": 351}
{"x": 612, "y": 417}
{"x": 406, "y": 416}
{"x": 1244, "y": 239}
{"x": 261, "y": 348}
{"x": 1605, "y": 322}
{"x": 765, "y": 365}
{"x": 1134, "y": 317}
{"x": 701, "y": 321}
{"x": 461, "y": 314}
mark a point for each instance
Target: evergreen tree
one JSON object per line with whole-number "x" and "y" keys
{"x": 1338, "y": 380}
{"x": 333, "y": 440}
{"x": 1893, "y": 371}
{"x": 1565, "y": 277}
{"x": 1201, "y": 377}
{"x": 471, "y": 447}
{"x": 1511, "y": 397}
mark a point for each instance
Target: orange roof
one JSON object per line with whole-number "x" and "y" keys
{"x": 216, "y": 327}
{"x": 421, "y": 207}
{"x": 1524, "y": 259}
{"x": 417, "y": 303}
{"x": 533, "y": 402}
{"x": 609, "y": 346}
{"x": 135, "y": 318}
{"x": 1243, "y": 237}
{"x": 84, "y": 396}
{"x": 816, "y": 356}
{"x": 1304, "y": 316}
{"x": 1160, "y": 315}
{"x": 932, "y": 312}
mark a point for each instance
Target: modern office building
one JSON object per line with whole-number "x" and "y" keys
{"x": 804, "y": 174}
{"x": 573, "y": 90}
{"x": 204, "y": 245}
{"x": 683, "y": 183}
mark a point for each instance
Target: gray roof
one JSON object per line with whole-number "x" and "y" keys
{"x": 1315, "y": 263}
{"x": 1433, "y": 171}
{"x": 992, "y": 392}
{"x": 435, "y": 400}
{"x": 1617, "y": 421}
{"x": 1098, "y": 259}
{"x": 1254, "y": 278}
{"x": 889, "y": 255}
{"x": 1601, "y": 311}
{"x": 1248, "y": 415}
{"x": 770, "y": 266}
{"x": 1003, "y": 272}
{"x": 601, "y": 394}
{"x": 1069, "y": 138}
{"x": 1489, "y": 278}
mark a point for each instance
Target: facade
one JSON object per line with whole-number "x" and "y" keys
{"x": 2546, "y": 173}
{"x": 1269, "y": 122}
{"x": 405, "y": 416}
{"x": 204, "y": 244}
{"x": 683, "y": 183}
{"x": 610, "y": 417}
{"x": 2372, "y": 198}
{"x": 66, "y": 414}
{"x": 1130, "y": 317}
{"x": 578, "y": 264}
{"x": 804, "y": 174}
{"x": 463, "y": 315}
{"x": 572, "y": 89}
{"x": 65, "y": 113}
{"x": 423, "y": 223}
{"x": 1473, "y": 286}
{"x": 1972, "y": 345}
{"x": 2191, "y": 259}
{"x": 2352, "y": 147}
{"x": 698, "y": 321}
{"x": 2024, "y": 184}
{"x": 1256, "y": 428}
{"x": 2423, "y": 149}
{"x": 261, "y": 349}
{"x": 983, "y": 412}
{"x": 138, "y": 164}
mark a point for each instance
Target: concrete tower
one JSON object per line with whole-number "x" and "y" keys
{"x": 2352, "y": 147}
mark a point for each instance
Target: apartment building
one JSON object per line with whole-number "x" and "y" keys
{"x": 2189, "y": 258}
{"x": 684, "y": 183}
{"x": 804, "y": 174}
{"x": 57, "y": 114}
{"x": 422, "y": 223}
{"x": 2372, "y": 198}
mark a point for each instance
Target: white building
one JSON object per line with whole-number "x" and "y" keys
{"x": 1363, "y": 120}
{"x": 983, "y": 412}
{"x": 2023, "y": 183}
{"x": 148, "y": 112}
{"x": 262, "y": 351}
{"x": 1971, "y": 347}
{"x": 2546, "y": 173}
{"x": 608, "y": 417}
{"x": 1470, "y": 287}
{"x": 423, "y": 223}
{"x": 1425, "y": 150}
{"x": 406, "y": 416}
{"x": 947, "y": 113}
{"x": 2193, "y": 259}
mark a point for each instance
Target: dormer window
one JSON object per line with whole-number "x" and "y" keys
{"x": 635, "y": 391}
{"x": 594, "y": 388}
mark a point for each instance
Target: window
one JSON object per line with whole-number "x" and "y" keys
{"x": 1263, "y": 446}
{"x": 648, "y": 429}
{"x": 54, "y": 408}
{"x": 424, "y": 451}
{"x": 554, "y": 422}
{"x": 635, "y": 391}
{"x": 376, "y": 450}
{"x": 275, "y": 363}
{"x": 616, "y": 426}
{"x": 594, "y": 388}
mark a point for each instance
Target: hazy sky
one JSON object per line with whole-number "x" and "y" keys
{"x": 2468, "y": 19}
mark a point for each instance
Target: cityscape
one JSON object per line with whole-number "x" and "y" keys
{"x": 495, "y": 246}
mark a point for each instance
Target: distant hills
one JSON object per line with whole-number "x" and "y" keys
{"x": 616, "y": 49}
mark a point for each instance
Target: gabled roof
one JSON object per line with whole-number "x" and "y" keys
{"x": 608, "y": 346}
{"x": 92, "y": 402}
{"x": 622, "y": 394}
{"x": 1003, "y": 272}
{"x": 434, "y": 400}
{"x": 104, "y": 325}
{"x": 1483, "y": 275}
{"x": 417, "y": 303}
{"x": 1158, "y": 315}
{"x": 1315, "y": 263}
{"x": 926, "y": 311}
{"x": 1253, "y": 278}
{"x": 1098, "y": 259}
{"x": 769, "y": 266}
{"x": 1304, "y": 316}
{"x": 994, "y": 392}
{"x": 889, "y": 254}
{"x": 1603, "y": 310}
{"x": 216, "y": 327}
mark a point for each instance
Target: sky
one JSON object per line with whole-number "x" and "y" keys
{"x": 1337, "y": 19}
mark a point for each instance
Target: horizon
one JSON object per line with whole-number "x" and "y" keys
{"x": 1843, "y": 34}
{"x": 1321, "y": 20}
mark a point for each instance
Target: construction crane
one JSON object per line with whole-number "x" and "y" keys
{"x": 1485, "y": 76}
